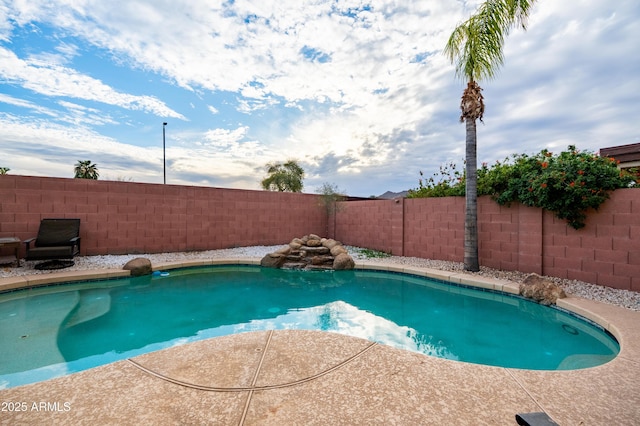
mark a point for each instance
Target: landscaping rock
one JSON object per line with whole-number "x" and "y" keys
{"x": 273, "y": 260}
{"x": 336, "y": 250}
{"x": 541, "y": 290}
{"x": 330, "y": 243}
{"x": 314, "y": 250}
{"x": 138, "y": 266}
{"x": 343, "y": 261}
{"x": 284, "y": 250}
{"x": 314, "y": 243}
{"x": 310, "y": 252}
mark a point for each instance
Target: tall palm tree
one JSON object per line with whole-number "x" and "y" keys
{"x": 86, "y": 170}
{"x": 475, "y": 47}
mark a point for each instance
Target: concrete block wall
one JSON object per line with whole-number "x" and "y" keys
{"x": 374, "y": 224}
{"x": 606, "y": 251}
{"x": 434, "y": 230}
{"x": 510, "y": 238}
{"x": 131, "y": 218}
{"x": 128, "y": 218}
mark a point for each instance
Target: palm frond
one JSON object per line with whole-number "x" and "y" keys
{"x": 476, "y": 45}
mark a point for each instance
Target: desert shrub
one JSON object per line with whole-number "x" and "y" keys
{"x": 568, "y": 184}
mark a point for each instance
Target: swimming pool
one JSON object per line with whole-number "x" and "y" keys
{"x": 57, "y": 330}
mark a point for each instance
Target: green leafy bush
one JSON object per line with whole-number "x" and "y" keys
{"x": 567, "y": 184}
{"x": 448, "y": 182}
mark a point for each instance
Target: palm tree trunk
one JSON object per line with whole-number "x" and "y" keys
{"x": 471, "y": 262}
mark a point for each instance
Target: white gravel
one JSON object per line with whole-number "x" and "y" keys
{"x": 623, "y": 298}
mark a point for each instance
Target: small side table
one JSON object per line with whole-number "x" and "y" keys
{"x": 10, "y": 242}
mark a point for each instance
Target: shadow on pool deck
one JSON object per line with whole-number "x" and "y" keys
{"x": 312, "y": 377}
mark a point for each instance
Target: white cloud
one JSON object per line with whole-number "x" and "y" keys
{"x": 52, "y": 147}
{"x": 10, "y": 100}
{"x": 224, "y": 137}
{"x": 85, "y": 116}
{"x": 360, "y": 88}
{"x": 44, "y": 77}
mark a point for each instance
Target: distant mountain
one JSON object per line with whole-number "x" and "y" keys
{"x": 389, "y": 195}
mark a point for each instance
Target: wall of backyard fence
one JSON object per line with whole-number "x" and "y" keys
{"x": 131, "y": 218}
{"x": 606, "y": 251}
{"x": 134, "y": 218}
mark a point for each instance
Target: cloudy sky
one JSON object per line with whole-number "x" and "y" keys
{"x": 357, "y": 91}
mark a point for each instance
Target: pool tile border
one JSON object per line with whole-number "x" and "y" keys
{"x": 40, "y": 280}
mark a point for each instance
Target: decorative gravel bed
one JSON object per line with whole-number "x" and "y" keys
{"x": 624, "y": 298}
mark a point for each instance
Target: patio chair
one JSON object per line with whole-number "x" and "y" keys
{"x": 57, "y": 239}
{"x": 534, "y": 419}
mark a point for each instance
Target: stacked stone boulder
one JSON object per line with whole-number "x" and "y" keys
{"x": 541, "y": 290}
{"x": 310, "y": 252}
{"x": 138, "y": 266}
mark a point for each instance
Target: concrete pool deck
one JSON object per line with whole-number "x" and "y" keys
{"x": 309, "y": 377}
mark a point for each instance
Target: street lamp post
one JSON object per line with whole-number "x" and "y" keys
{"x": 164, "y": 155}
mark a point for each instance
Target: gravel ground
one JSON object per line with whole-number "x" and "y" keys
{"x": 624, "y": 298}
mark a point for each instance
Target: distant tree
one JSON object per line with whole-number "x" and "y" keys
{"x": 329, "y": 196}
{"x": 86, "y": 170}
{"x": 4, "y": 170}
{"x": 285, "y": 177}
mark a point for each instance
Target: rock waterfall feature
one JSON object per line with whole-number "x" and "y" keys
{"x": 310, "y": 252}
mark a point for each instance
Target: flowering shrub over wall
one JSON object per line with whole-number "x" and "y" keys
{"x": 567, "y": 184}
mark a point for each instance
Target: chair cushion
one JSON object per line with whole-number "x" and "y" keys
{"x": 57, "y": 252}
{"x": 55, "y": 232}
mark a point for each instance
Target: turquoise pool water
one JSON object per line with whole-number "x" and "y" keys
{"x": 52, "y": 331}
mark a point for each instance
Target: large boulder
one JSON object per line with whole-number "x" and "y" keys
{"x": 330, "y": 243}
{"x": 343, "y": 261}
{"x": 296, "y": 244}
{"x": 138, "y": 266}
{"x": 336, "y": 250}
{"x": 541, "y": 290}
{"x": 273, "y": 260}
{"x": 284, "y": 250}
{"x": 314, "y": 243}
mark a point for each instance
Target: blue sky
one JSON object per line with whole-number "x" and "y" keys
{"x": 358, "y": 92}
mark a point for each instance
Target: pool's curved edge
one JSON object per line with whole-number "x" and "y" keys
{"x": 623, "y": 324}
{"x": 39, "y": 280}
{"x": 205, "y": 262}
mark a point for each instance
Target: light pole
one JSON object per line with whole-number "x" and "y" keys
{"x": 164, "y": 155}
